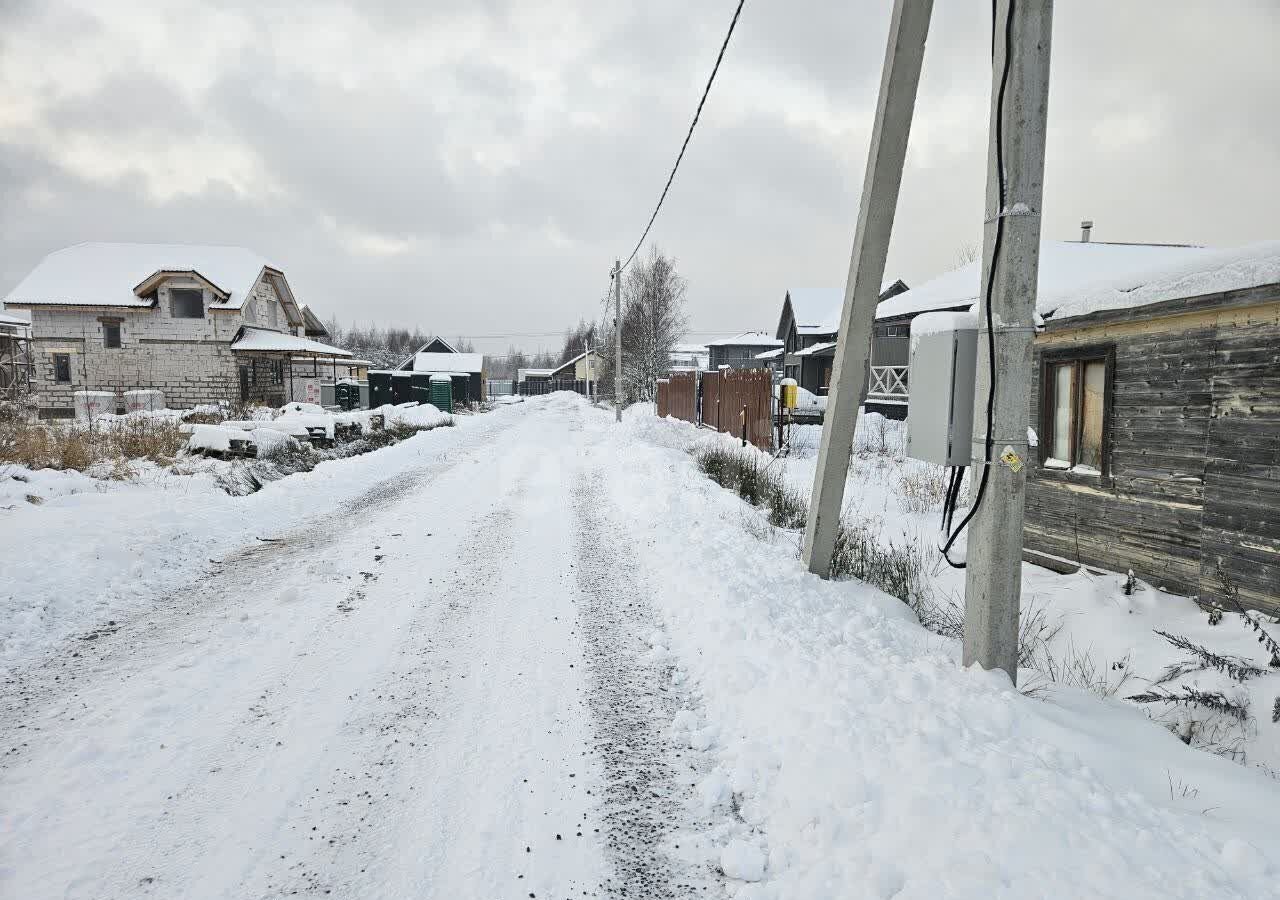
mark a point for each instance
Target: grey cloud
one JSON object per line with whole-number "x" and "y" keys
{"x": 1160, "y": 129}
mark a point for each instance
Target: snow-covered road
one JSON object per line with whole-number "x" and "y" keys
{"x": 541, "y": 655}
{"x": 434, "y": 691}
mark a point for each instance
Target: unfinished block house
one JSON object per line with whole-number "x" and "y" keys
{"x": 201, "y": 324}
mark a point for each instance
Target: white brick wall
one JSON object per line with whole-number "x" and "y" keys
{"x": 189, "y": 359}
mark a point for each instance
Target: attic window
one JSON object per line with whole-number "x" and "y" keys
{"x": 185, "y": 303}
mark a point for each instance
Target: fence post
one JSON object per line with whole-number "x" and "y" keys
{"x": 744, "y": 424}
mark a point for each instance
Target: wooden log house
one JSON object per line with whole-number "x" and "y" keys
{"x": 1157, "y": 411}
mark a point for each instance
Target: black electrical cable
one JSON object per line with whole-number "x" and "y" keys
{"x": 705, "y": 91}
{"x": 991, "y": 275}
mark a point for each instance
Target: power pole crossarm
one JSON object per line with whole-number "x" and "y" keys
{"x": 1006, "y": 317}
{"x": 908, "y": 29}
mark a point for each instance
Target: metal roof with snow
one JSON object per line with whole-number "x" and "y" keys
{"x": 1211, "y": 272}
{"x": 250, "y": 339}
{"x": 818, "y": 310}
{"x": 1065, "y": 267}
{"x": 468, "y": 363}
{"x": 105, "y": 274}
{"x": 747, "y": 339}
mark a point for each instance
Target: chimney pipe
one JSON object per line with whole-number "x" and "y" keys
{"x": 1085, "y": 227}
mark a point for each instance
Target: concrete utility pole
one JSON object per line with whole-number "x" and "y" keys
{"x": 908, "y": 29}
{"x": 617, "y": 334}
{"x": 1010, "y": 266}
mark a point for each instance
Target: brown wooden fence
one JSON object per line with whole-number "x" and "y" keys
{"x": 711, "y": 400}
{"x": 727, "y": 392}
{"x": 678, "y": 396}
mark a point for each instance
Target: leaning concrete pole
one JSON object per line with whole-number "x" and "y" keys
{"x": 1007, "y": 300}
{"x": 617, "y": 343}
{"x": 902, "y": 59}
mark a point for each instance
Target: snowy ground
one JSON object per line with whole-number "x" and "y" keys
{"x": 537, "y": 655}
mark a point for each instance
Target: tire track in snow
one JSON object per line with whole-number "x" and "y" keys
{"x": 240, "y": 721}
{"x": 651, "y": 824}
{"x": 367, "y": 804}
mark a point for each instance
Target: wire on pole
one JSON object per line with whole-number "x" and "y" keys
{"x": 705, "y": 91}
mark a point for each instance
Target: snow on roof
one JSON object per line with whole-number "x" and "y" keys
{"x": 815, "y": 349}
{"x": 574, "y": 361}
{"x": 1210, "y": 272}
{"x": 770, "y": 354}
{"x": 105, "y": 274}
{"x": 253, "y": 339}
{"x": 696, "y": 349}
{"x": 1065, "y": 267}
{"x": 817, "y": 310}
{"x": 747, "y": 339}
{"x": 448, "y": 362}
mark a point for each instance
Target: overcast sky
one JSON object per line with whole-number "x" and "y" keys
{"x": 474, "y": 166}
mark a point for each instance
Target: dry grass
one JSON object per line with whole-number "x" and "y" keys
{"x": 922, "y": 489}
{"x": 47, "y": 445}
{"x": 755, "y": 483}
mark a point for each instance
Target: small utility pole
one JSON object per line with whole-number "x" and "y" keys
{"x": 903, "y": 57}
{"x": 1007, "y": 300}
{"x": 617, "y": 333}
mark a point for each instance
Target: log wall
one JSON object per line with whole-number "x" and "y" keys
{"x": 1190, "y": 500}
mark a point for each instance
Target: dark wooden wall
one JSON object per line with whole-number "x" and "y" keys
{"x": 1193, "y": 488}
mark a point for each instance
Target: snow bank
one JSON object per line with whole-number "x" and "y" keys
{"x": 99, "y": 548}
{"x": 863, "y": 760}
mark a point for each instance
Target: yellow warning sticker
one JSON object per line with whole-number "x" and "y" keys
{"x": 1011, "y": 459}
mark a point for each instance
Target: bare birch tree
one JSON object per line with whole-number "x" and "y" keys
{"x": 653, "y": 322}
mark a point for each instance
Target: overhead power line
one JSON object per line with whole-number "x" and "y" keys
{"x": 705, "y": 91}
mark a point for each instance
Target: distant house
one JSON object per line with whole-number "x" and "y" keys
{"x": 583, "y": 367}
{"x": 1064, "y": 266}
{"x": 523, "y": 375}
{"x": 201, "y": 324}
{"x": 808, "y": 327}
{"x": 696, "y": 357}
{"x": 741, "y": 351}
{"x": 1156, "y": 404}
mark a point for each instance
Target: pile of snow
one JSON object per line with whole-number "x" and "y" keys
{"x": 422, "y": 415}
{"x": 213, "y": 438}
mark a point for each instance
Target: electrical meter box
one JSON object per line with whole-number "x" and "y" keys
{"x": 944, "y": 350}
